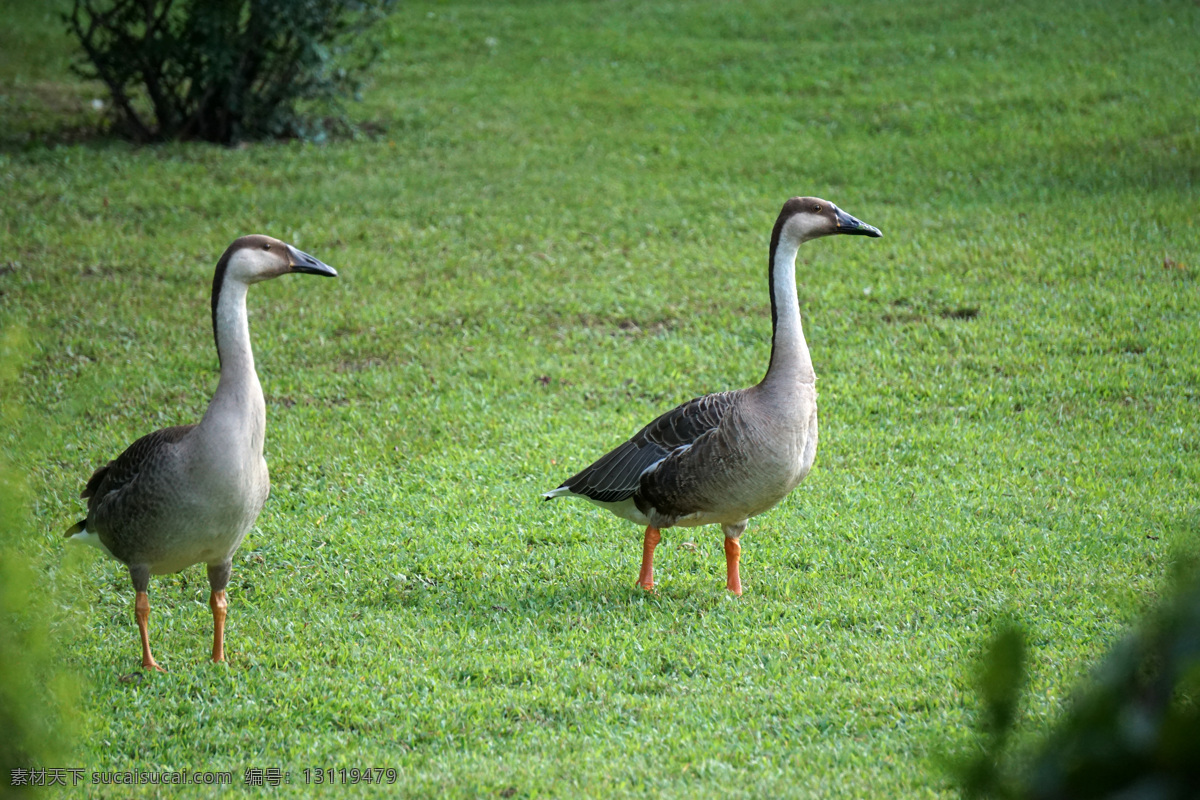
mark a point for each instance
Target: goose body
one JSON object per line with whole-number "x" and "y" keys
{"x": 726, "y": 457}
{"x": 189, "y": 494}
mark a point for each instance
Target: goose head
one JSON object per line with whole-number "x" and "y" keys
{"x": 251, "y": 259}
{"x": 805, "y": 218}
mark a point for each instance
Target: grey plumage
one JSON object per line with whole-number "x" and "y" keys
{"x": 189, "y": 494}
{"x": 646, "y": 467}
{"x": 111, "y": 498}
{"x": 724, "y": 458}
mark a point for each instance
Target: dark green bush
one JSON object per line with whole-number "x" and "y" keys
{"x": 1133, "y": 732}
{"x": 225, "y": 70}
{"x": 37, "y": 696}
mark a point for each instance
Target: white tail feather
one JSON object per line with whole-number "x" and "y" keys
{"x": 86, "y": 537}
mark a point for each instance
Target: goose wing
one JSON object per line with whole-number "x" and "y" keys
{"x": 617, "y": 475}
{"x": 119, "y": 473}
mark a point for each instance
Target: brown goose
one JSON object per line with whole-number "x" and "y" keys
{"x": 723, "y": 458}
{"x": 188, "y": 494}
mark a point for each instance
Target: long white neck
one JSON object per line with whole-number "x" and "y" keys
{"x": 237, "y": 409}
{"x": 790, "y": 360}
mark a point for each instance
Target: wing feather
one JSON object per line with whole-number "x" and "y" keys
{"x": 617, "y": 475}
{"x": 122, "y": 470}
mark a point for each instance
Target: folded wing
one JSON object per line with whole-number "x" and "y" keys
{"x": 617, "y": 475}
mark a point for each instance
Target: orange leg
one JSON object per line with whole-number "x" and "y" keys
{"x": 218, "y": 604}
{"x": 646, "y": 576}
{"x": 733, "y": 553}
{"x": 141, "y": 610}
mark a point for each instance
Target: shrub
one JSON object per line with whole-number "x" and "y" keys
{"x": 225, "y": 70}
{"x": 38, "y": 698}
{"x": 1133, "y": 732}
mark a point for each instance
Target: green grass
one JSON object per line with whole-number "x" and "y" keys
{"x": 558, "y": 231}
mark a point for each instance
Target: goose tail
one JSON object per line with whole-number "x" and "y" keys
{"x": 80, "y": 534}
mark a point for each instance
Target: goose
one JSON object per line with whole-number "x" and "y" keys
{"x": 723, "y": 458}
{"x": 188, "y": 494}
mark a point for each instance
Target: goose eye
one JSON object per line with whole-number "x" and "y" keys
{"x": 267, "y": 246}
{"x": 817, "y": 209}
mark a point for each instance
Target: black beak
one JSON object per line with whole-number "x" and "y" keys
{"x": 303, "y": 262}
{"x": 849, "y": 224}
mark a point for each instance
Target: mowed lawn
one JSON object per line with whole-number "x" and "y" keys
{"x": 553, "y": 228}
